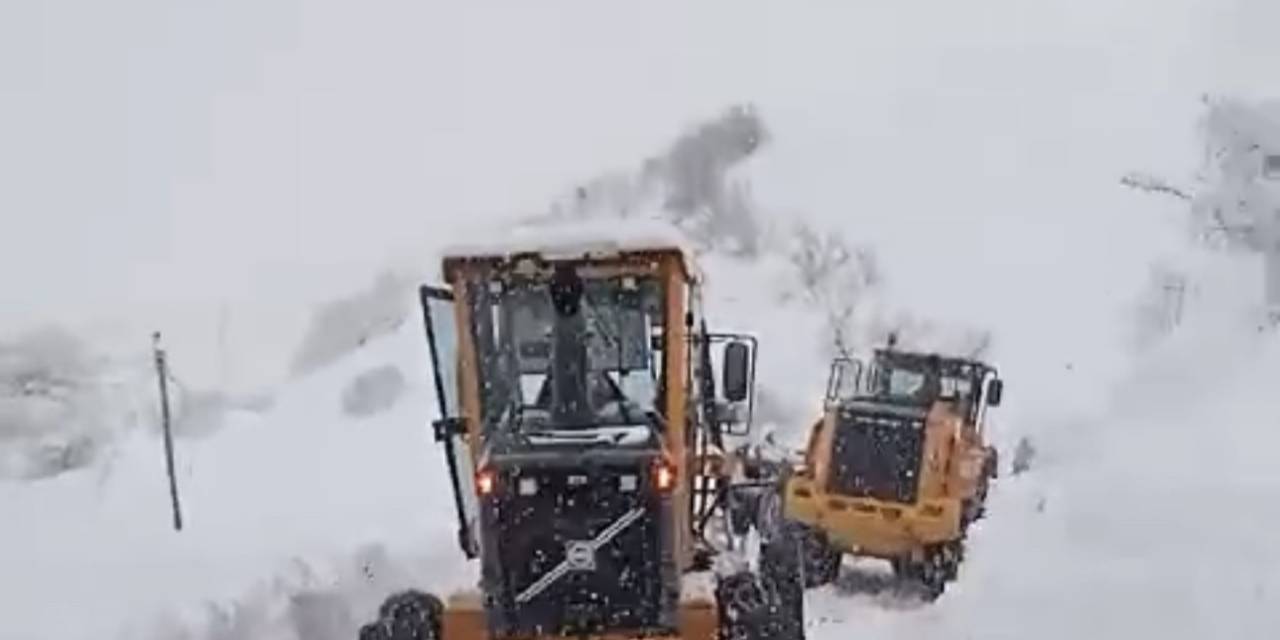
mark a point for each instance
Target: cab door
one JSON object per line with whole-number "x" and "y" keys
{"x": 449, "y": 427}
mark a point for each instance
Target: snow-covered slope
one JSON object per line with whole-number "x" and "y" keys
{"x": 1150, "y": 517}
{"x": 276, "y": 506}
{"x": 259, "y": 160}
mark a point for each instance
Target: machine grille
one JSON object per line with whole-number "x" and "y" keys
{"x": 581, "y": 552}
{"x": 877, "y": 456}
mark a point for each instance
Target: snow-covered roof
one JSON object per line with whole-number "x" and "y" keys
{"x": 576, "y": 237}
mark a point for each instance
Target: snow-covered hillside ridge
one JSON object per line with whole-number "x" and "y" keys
{"x": 302, "y": 513}
{"x": 1103, "y": 510}
{"x": 299, "y": 521}
{"x": 340, "y": 465}
{"x": 693, "y": 185}
{"x": 1152, "y": 515}
{"x": 1233, "y": 201}
{"x": 65, "y": 402}
{"x": 54, "y": 405}
{"x": 285, "y": 511}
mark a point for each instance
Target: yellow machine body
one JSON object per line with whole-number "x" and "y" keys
{"x": 953, "y": 467}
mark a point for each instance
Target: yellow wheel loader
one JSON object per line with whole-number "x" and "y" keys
{"x": 583, "y": 423}
{"x": 897, "y": 468}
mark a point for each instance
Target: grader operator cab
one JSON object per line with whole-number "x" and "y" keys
{"x": 582, "y": 417}
{"x": 897, "y": 468}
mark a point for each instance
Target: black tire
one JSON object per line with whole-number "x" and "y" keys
{"x": 782, "y": 571}
{"x": 939, "y": 567}
{"x": 406, "y": 615}
{"x": 973, "y": 509}
{"x": 768, "y": 605}
{"x": 821, "y": 560}
{"x": 817, "y": 561}
{"x": 746, "y": 608}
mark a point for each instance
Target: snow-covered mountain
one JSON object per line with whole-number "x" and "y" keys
{"x": 266, "y": 184}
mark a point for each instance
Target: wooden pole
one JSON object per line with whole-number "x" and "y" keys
{"x": 162, "y": 372}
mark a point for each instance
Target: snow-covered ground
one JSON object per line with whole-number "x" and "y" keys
{"x": 217, "y": 171}
{"x": 1151, "y": 516}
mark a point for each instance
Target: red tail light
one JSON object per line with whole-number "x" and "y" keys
{"x": 486, "y": 482}
{"x": 664, "y": 476}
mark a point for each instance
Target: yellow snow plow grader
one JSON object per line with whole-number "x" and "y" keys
{"x": 897, "y": 468}
{"x": 582, "y": 417}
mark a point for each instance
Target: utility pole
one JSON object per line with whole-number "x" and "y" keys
{"x": 162, "y": 372}
{"x": 1270, "y": 231}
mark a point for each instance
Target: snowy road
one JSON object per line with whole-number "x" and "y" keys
{"x": 177, "y": 166}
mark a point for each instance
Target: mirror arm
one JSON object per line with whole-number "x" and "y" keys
{"x": 447, "y": 427}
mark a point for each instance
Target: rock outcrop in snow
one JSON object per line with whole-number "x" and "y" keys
{"x": 1234, "y": 203}
{"x": 57, "y": 408}
{"x": 345, "y": 324}
{"x": 693, "y": 185}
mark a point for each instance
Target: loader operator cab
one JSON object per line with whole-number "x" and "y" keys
{"x": 578, "y": 397}
{"x": 911, "y": 379}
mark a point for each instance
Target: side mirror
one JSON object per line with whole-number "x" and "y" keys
{"x": 737, "y": 371}
{"x": 844, "y": 379}
{"x": 995, "y": 389}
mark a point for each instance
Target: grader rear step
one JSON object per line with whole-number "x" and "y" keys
{"x": 583, "y": 426}
{"x": 897, "y": 468}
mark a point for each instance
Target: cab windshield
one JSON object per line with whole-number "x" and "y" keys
{"x": 909, "y": 382}
{"x": 900, "y": 385}
{"x": 568, "y": 359}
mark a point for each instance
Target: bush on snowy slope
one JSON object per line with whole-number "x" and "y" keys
{"x": 1234, "y": 204}
{"x": 691, "y": 184}
{"x": 303, "y": 602}
{"x": 64, "y": 404}
{"x": 372, "y": 392}
{"x": 345, "y": 324}
{"x": 53, "y": 405}
{"x": 825, "y": 293}
{"x": 1240, "y": 194}
{"x": 698, "y": 191}
{"x": 834, "y": 277}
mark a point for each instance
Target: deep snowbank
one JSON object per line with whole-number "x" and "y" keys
{"x": 63, "y": 404}
{"x": 990, "y": 130}
{"x": 1150, "y": 515}
{"x": 1153, "y": 516}
{"x": 1147, "y": 515}
{"x": 296, "y": 501}
{"x": 301, "y": 517}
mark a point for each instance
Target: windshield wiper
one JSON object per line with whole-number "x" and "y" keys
{"x": 613, "y": 342}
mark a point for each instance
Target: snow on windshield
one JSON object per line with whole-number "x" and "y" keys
{"x": 581, "y": 236}
{"x": 544, "y": 369}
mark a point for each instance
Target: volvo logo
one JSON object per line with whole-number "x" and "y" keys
{"x": 580, "y": 555}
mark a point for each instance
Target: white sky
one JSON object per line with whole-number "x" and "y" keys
{"x": 159, "y": 158}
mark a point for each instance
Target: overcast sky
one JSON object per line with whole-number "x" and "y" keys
{"x": 160, "y": 157}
